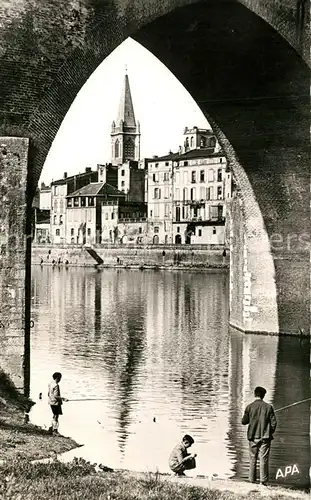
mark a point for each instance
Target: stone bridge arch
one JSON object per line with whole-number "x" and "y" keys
{"x": 244, "y": 62}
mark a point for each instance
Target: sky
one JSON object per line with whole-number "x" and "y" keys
{"x": 161, "y": 105}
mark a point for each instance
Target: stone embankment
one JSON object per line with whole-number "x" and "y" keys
{"x": 134, "y": 256}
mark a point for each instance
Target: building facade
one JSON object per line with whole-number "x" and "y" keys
{"x": 84, "y": 212}
{"x": 187, "y": 192}
{"x": 59, "y": 190}
{"x": 124, "y": 222}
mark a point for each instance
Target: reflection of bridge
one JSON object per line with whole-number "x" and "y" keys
{"x": 256, "y": 98}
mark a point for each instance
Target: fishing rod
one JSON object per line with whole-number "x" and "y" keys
{"x": 292, "y": 404}
{"x": 88, "y": 399}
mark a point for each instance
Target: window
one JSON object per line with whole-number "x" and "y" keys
{"x": 150, "y": 213}
{"x": 200, "y": 232}
{"x": 177, "y": 178}
{"x": 166, "y": 210}
{"x": 106, "y": 216}
{"x": 211, "y": 175}
{"x": 177, "y": 194}
{"x": 166, "y": 176}
{"x": 140, "y": 230}
{"x": 91, "y": 201}
{"x": 202, "y": 176}
{"x": 57, "y": 232}
{"x": 55, "y": 206}
{"x": 192, "y": 194}
{"x": 156, "y": 193}
{"x": 167, "y": 163}
{"x": 83, "y": 202}
{"x": 156, "y": 165}
{"x": 69, "y": 202}
{"x": 219, "y": 192}
{"x": 186, "y": 177}
{"x": 76, "y": 202}
{"x": 220, "y": 160}
{"x": 55, "y": 190}
{"x": 61, "y": 205}
{"x": 156, "y": 210}
{"x": 72, "y": 231}
{"x": 60, "y": 219}
{"x": 214, "y": 230}
{"x": 117, "y": 149}
{"x": 202, "y": 142}
{"x": 193, "y": 176}
{"x": 185, "y": 164}
{"x": 156, "y": 229}
{"x": 54, "y": 219}
{"x": 123, "y": 173}
{"x": 185, "y": 194}
{"x": 166, "y": 194}
{"x": 219, "y": 175}
{"x": 208, "y": 194}
{"x": 112, "y": 215}
{"x": 155, "y": 177}
{"x": 122, "y": 183}
{"x": 214, "y": 212}
{"x": 183, "y": 212}
{"x": 90, "y": 215}
{"x": 89, "y": 231}
{"x": 178, "y": 229}
{"x": 191, "y": 142}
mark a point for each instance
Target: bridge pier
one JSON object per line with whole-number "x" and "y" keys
{"x": 13, "y": 181}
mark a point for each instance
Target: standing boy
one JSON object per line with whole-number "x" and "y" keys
{"x": 261, "y": 422}
{"x": 180, "y": 460}
{"x": 55, "y": 401}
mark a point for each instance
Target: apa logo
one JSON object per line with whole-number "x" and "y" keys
{"x": 289, "y": 469}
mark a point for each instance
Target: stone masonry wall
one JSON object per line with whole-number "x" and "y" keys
{"x": 13, "y": 176}
{"x": 137, "y": 255}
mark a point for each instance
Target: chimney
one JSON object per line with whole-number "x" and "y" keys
{"x": 65, "y": 175}
{"x": 88, "y": 169}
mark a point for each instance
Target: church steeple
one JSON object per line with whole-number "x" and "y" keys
{"x": 126, "y": 109}
{"x": 125, "y": 132}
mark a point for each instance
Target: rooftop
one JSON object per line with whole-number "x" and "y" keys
{"x": 96, "y": 189}
{"x": 65, "y": 180}
{"x": 192, "y": 154}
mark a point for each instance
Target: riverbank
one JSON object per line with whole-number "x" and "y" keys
{"x": 20, "y": 439}
{"x": 29, "y": 469}
{"x": 132, "y": 256}
{"x": 24, "y": 480}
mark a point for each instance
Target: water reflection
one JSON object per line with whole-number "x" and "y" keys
{"x": 155, "y": 347}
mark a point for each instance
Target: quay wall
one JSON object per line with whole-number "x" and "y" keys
{"x": 135, "y": 255}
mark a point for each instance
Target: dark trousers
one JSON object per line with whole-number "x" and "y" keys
{"x": 262, "y": 449}
{"x": 189, "y": 464}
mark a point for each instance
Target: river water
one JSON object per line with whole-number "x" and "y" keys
{"x": 157, "y": 349}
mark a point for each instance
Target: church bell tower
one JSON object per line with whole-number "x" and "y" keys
{"x": 125, "y": 131}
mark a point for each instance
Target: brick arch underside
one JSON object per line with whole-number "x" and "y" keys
{"x": 238, "y": 69}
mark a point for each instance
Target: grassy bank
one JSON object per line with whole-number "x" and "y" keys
{"x": 78, "y": 480}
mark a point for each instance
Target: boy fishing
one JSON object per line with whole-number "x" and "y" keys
{"x": 180, "y": 460}
{"x": 55, "y": 401}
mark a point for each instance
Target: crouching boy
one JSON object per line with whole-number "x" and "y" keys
{"x": 180, "y": 460}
